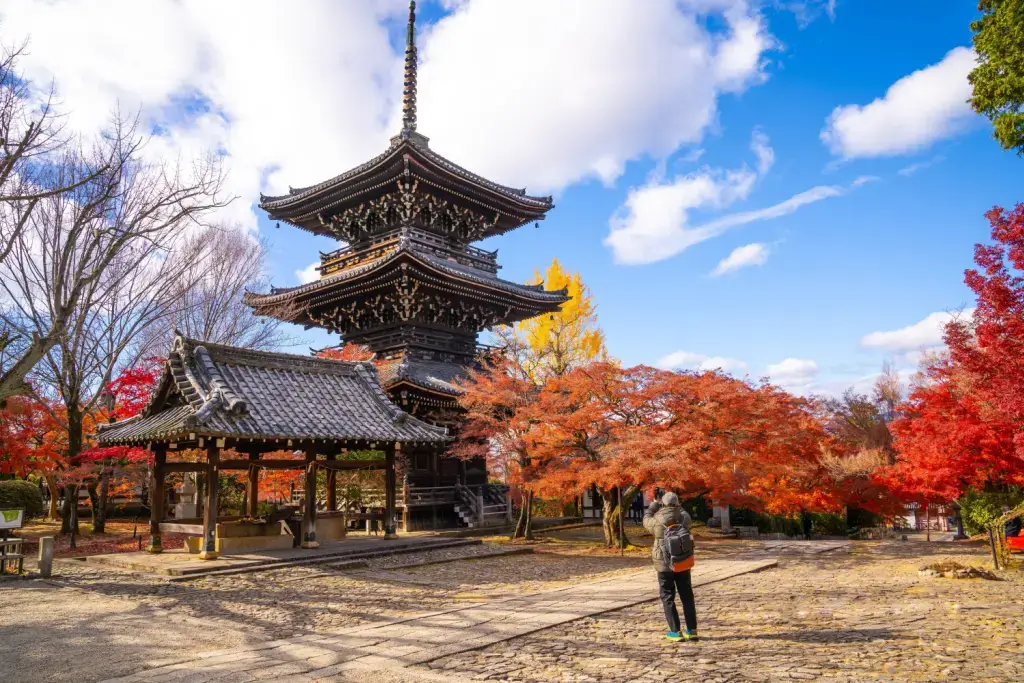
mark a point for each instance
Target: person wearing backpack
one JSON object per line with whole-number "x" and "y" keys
{"x": 672, "y": 554}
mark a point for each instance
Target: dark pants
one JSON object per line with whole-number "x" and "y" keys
{"x": 669, "y": 583}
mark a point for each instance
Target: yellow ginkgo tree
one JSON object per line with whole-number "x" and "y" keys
{"x": 552, "y": 344}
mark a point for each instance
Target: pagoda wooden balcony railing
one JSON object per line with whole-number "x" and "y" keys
{"x": 352, "y": 256}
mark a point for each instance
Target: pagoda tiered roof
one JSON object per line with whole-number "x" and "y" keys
{"x": 294, "y": 303}
{"x": 408, "y": 157}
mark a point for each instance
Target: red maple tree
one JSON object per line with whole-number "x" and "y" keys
{"x": 961, "y": 427}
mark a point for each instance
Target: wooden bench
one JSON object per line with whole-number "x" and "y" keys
{"x": 10, "y": 550}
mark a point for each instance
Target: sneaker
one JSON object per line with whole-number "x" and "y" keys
{"x": 673, "y": 636}
{"x": 690, "y": 635}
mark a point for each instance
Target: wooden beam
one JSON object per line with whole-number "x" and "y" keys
{"x": 265, "y": 464}
{"x": 185, "y": 467}
{"x": 352, "y": 464}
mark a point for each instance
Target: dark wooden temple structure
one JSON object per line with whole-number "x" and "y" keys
{"x": 409, "y": 284}
{"x": 212, "y": 398}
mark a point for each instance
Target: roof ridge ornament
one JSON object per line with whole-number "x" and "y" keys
{"x": 409, "y": 83}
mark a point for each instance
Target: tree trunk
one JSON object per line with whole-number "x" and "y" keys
{"x": 614, "y": 535}
{"x": 69, "y": 522}
{"x": 524, "y": 526}
{"x": 68, "y": 513}
{"x": 94, "y": 499}
{"x": 51, "y": 483}
{"x": 609, "y": 519}
{"x": 99, "y": 513}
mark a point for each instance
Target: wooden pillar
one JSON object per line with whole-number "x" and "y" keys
{"x": 389, "y": 495}
{"x": 253, "y": 486}
{"x": 332, "y": 487}
{"x": 410, "y": 460}
{"x": 309, "y": 502}
{"x": 156, "y": 498}
{"x": 209, "y": 551}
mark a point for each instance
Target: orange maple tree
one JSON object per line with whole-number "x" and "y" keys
{"x": 630, "y": 429}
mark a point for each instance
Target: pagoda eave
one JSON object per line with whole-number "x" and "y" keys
{"x": 312, "y": 208}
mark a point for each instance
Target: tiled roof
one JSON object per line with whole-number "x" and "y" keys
{"x": 216, "y": 390}
{"x": 418, "y": 144}
{"x": 459, "y": 271}
{"x": 428, "y": 374}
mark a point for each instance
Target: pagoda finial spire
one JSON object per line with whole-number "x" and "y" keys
{"x": 409, "y": 88}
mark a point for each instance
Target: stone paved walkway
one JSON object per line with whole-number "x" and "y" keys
{"x": 424, "y": 638}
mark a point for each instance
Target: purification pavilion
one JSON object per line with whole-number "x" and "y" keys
{"x": 212, "y": 397}
{"x": 409, "y": 284}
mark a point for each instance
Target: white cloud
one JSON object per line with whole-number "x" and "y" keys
{"x": 742, "y": 257}
{"x": 589, "y": 90}
{"x": 923, "y": 335}
{"x": 679, "y": 360}
{"x": 793, "y": 374}
{"x": 309, "y": 273}
{"x": 654, "y": 222}
{"x": 293, "y": 94}
{"x": 916, "y": 111}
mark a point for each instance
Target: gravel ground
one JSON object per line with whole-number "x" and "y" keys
{"x": 52, "y": 633}
{"x": 855, "y": 614}
{"x": 849, "y": 615}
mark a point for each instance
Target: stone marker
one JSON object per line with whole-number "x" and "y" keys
{"x": 46, "y": 556}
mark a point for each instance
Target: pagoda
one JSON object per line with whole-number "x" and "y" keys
{"x": 408, "y": 283}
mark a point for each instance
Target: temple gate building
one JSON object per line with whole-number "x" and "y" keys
{"x": 409, "y": 284}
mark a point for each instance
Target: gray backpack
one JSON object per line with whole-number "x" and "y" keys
{"x": 678, "y": 547}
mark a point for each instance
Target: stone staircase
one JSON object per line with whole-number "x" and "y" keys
{"x": 482, "y": 506}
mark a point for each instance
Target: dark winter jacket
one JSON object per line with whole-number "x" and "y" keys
{"x": 656, "y": 518}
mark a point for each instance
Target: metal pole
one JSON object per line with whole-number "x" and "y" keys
{"x": 622, "y": 528}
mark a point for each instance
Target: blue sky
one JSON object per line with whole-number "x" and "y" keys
{"x": 665, "y": 135}
{"x": 881, "y": 258}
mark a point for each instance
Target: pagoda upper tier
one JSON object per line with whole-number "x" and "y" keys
{"x": 408, "y": 283}
{"x": 409, "y": 184}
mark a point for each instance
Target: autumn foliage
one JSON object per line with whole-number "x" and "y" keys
{"x": 961, "y": 427}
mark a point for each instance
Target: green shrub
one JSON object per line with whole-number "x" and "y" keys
{"x": 828, "y": 524}
{"x": 978, "y": 508}
{"x": 18, "y": 494}
{"x": 778, "y": 524}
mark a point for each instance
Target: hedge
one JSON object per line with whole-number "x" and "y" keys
{"x": 18, "y": 494}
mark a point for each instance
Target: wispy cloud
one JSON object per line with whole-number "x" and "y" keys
{"x": 742, "y": 257}
{"x": 920, "y": 166}
{"x": 654, "y": 222}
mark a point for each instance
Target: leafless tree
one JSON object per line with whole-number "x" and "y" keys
{"x": 96, "y": 267}
{"x": 131, "y": 214}
{"x": 208, "y": 297}
{"x": 31, "y": 136}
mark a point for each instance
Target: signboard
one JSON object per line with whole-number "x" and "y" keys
{"x": 11, "y": 519}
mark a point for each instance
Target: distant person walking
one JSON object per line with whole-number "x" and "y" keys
{"x": 806, "y": 523}
{"x": 672, "y": 554}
